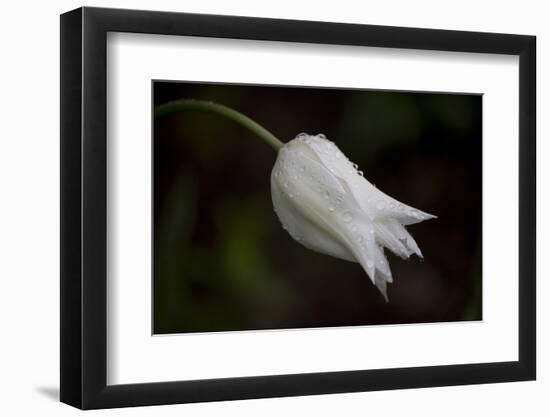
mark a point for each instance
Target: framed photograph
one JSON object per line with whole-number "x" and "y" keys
{"x": 258, "y": 208}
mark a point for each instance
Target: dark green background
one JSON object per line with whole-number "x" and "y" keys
{"x": 221, "y": 258}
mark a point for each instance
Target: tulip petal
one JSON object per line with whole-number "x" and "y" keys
{"x": 382, "y": 286}
{"x": 368, "y": 196}
{"x": 317, "y": 195}
{"x": 300, "y": 227}
{"x": 395, "y": 237}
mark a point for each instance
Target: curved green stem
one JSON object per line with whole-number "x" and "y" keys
{"x": 208, "y": 106}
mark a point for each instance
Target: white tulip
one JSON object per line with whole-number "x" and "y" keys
{"x": 327, "y": 205}
{"x": 324, "y": 202}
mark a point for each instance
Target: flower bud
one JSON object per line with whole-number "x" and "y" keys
{"x": 326, "y": 204}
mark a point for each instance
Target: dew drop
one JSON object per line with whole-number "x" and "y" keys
{"x": 291, "y": 195}
{"x": 331, "y": 208}
{"x": 380, "y": 205}
{"x": 285, "y": 184}
{"x": 326, "y": 194}
{"x": 301, "y": 136}
{"x": 369, "y": 263}
{"x": 355, "y": 166}
{"x": 360, "y": 173}
{"x": 347, "y": 216}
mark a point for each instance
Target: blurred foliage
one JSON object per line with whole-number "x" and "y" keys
{"x": 223, "y": 262}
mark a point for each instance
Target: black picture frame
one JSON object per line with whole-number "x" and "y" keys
{"x": 84, "y": 207}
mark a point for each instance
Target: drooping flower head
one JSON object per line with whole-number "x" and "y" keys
{"x": 326, "y": 204}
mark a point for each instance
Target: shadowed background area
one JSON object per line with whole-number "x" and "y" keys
{"x": 223, "y": 262}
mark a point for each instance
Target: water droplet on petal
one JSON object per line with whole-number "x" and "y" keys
{"x": 347, "y": 216}
{"x": 331, "y": 208}
{"x": 355, "y": 166}
{"x": 360, "y": 173}
{"x": 380, "y": 205}
{"x": 326, "y": 194}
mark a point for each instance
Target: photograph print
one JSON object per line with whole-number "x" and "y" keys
{"x": 296, "y": 207}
